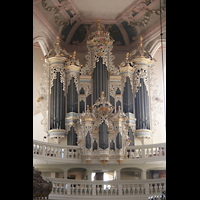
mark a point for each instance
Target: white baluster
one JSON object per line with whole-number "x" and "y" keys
{"x": 65, "y": 153}
{"x": 133, "y": 188}
{"x": 136, "y": 153}
{"x": 94, "y": 189}
{"x": 85, "y": 189}
{"x": 111, "y": 190}
{"x": 90, "y": 189}
{"x": 157, "y": 191}
{"x": 160, "y": 188}
{"x": 98, "y": 189}
{"x": 48, "y": 150}
{"x": 54, "y": 152}
{"x": 60, "y": 188}
{"x": 143, "y": 188}
{"x": 101, "y": 189}
{"x": 44, "y": 150}
{"x": 131, "y": 155}
{"x": 140, "y": 189}
{"x": 116, "y": 189}
{"x": 136, "y": 189}
{"x": 64, "y": 188}
{"x": 151, "y": 188}
{"x": 147, "y": 152}
{"x": 106, "y": 189}
{"x": 60, "y": 152}
{"x": 152, "y": 152}
{"x": 129, "y": 189}
{"x": 157, "y": 151}
{"x": 68, "y": 188}
{"x": 56, "y": 188}
{"x": 143, "y": 153}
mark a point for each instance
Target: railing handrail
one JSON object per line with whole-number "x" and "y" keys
{"x": 77, "y": 147}
{"x": 135, "y": 189}
{"x": 139, "y": 181}
{"x": 146, "y": 146}
{"x": 56, "y": 145}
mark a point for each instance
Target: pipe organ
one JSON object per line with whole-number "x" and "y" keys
{"x": 99, "y": 107}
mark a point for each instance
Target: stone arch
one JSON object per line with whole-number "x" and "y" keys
{"x": 155, "y": 46}
{"x": 130, "y": 173}
{"x": 78, "y": 173}
{"x": 43, "y": 41}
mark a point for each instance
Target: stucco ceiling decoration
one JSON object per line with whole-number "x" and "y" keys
{"x": 126, "y": 20}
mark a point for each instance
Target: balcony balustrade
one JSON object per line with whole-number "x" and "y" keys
{"x": 72, "y": 154}
{"x": 135, "y": 189}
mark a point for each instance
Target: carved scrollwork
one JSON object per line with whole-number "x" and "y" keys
{"x": 93, "y": 56}
{"x": 53, "y": 75}
{"x": 155, "y": 92}
{"x": 43, "y": 91}
{"x": 141, "y": 72}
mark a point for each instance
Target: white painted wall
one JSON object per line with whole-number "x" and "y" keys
{"x": 38, "y": 129}
{"x": 160, "y": 134}
{"x": 38, "y": 70}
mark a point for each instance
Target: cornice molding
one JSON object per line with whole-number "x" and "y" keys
{"x": 152, "y": 33}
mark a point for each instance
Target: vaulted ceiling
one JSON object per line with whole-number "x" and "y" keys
{"x": 126, "y": 20}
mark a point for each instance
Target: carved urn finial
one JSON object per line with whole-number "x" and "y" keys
{"x": 74, "y": 54}
{"x": 140, "y": 44}
{"x": 102, "y": 94}
{"x": 58, "y": 40}
{"x": 98, "y": 25}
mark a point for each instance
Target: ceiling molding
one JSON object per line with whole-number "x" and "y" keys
{"x": 41, "y": 19}
{"x": 125, "y": 15}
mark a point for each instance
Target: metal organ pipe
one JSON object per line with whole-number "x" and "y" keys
{"x": 57, "y": 102}
{"x": 54, "y": 105}
{"x": 57, "y": 105}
